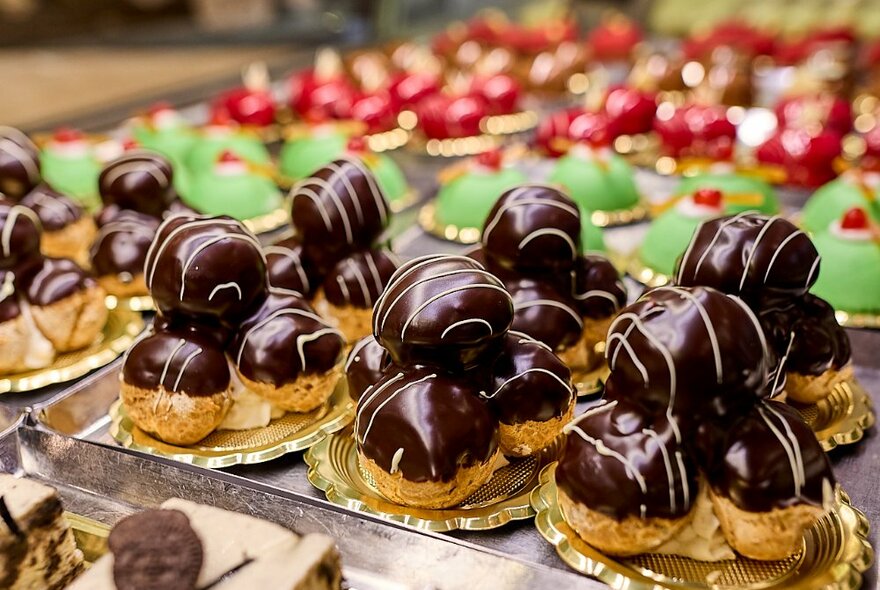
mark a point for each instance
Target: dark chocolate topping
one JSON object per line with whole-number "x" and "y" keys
{"x": 359, "y": 279}
{"x": 340, "y": 208}
{"x": 444, "y": 310}
{"x": 772, "y": 460}
{"x": 620, "y": 462}
{"x": 9, "y": 308}
{"x": 122, "y": 243}
{"x": 182, "y": 324}
{"x": 365, "y": 365}
{"x": 545, "y": 314}
{"x": 529, "y": 382}
{"x": 283, "y": 339}
{"x": 750, "y": 255}
{"x": 55, "y": 210}
{"x": 140, "y": 181}
{"x": 533, "y": 228}
{"x": 425, "y": 423}
{"x": 180, "y": 361}
{"x": 596, "y": 287}
{"x": 56, "y": 279}
{"x": 289, "y": 268}
{"x": 693, "y": 353}
{"x": 206, "y": 267}
{"x": 19, "y": 235}
{"x": 156, "y": 549}
{"x": 19, "y": 163}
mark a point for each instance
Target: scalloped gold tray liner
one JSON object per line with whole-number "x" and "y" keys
{"x": 291, "y": 433}
{"x": 119, "y": 332}
{"x": 835, "y": 554}
{"x": 842, "y": 417}
{"x": 334, "y": 469}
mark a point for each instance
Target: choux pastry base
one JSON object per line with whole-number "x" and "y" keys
{"x": 308, "y": 392}
{"x": 73, "y": 322}
{"x": 809, "y": 389}
{"x": 527, "y": 438}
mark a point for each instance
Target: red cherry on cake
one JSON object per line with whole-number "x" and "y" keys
{"x": 130, "y": 144}
{"x": 614, "y": 38}
{"x": 374, "y": 110}
{"x": 357, "y": 145}
{"x": 248, "y": 107}
{"x": 308, "y": 92}
{"x": 833, "y": 113}
{"x": 708, "y": 197}
{"x": 501, "y": 92}
{"x": 407, "y": 90}
{"x": 630, "y": 110}
{"x": 553, "y": 128}
{"x": 442, "y": 116}
{"x": 491, "y": 159}
{"x": 855, "y": 218}
{"x": 67, "y": 135}
{"x": 590, "y": 127}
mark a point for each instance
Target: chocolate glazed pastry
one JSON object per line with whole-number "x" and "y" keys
{"x": 205, "y": 267}
{"x": 695, "y": 354}
{"x": 425, "y": 437}
{"x": 339, "y": 209}
{"x": 597, "y": 288}
{"x": 139, "y": 181}
{"x": 286, "y": 354}
{"x": 442, "y": 310}
{"x": 365, "y": 366}
{"x": 531, "y": 395}
{"x": 19, "y": 163}
{"x": 120, "y": 250}
{"x": 626, "y": 484}
{"x": 20, "y": 238}
{"x": 546, "y": 315}
{"x": 67, "y": 231}
{"x": 533, "y": 228}
{"x": 351, "y": 288}
{"x": 176, "y": 385}
{"x": 775, "y": 481}
{"x": 290, "y": 269}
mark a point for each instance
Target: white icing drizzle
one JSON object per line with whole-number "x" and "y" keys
{"x": 630, "y": 468}
{"x": 362, "y": 282}
{"x": 566, "y": 386}
{"x": 204, "y": 246}
{"x": 15, "y": 212}
{"x": 221, "y": 286}
{"x": 293, "y": 255}
{"x": 388, "y": 399}
{"x": 685, "y": 488}
{"x": 19, "y": 135}
{"x": 395, "y": 460}
{"x": 132, "y": 163}
{"x": 525, "y": 338}
{"x": 754, "y": 319}
{"x": 282, "y": 291}
{"x": 337, "y": 203}
{"x": 632, "y": 355}
{"x": 780, "y": 369}
{"x": 269, "y": 318}
{"x": 442, "y": 294}
{"x": 346, "y": 294}
{"x": 747, "y": 266}
{"x": 710, "y": 328}
{"x": 369, "y": 395}
{"x": 8, "y": 287}
{"x": 549, "y": 303}
{"x": 53, "y": 204}
{"x": 21, "y": 156}
{"x": 184, "y": 365}
{"x": 533, "y": 200}
{"x": 812, "y": 272}
{"x": 790, "y": 446}
{"x": 602, "y": 406}
{"x": 550, "y": 231}
{"x": 335, "y": 173}
{"x": 670, "y": 476}
{"x": 374, "y": 272}
{"x": 381, "y": 205}
{"x": 782, "y": 245}
{"x": 454, "y": 325}
{"x": 313, "y": 197}
{"x": 712, "y": 243}
{"x": 592, "y": 293}
{"x": 356, "y": 349}
{"x": 180, "y": 344}
{"x": 304, "y": 339}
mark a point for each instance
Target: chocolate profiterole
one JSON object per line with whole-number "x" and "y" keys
{"x": 531, "y": 394}
{"x": 119, "y": 251}
{"x": 287, "y": 354}
{"x": 19, "y": 163}
{"x": 365, "y": 365}
{"x": 565, "y": 299}
{"x": 425, "y": 437}
{"x": 290, "y": 269}
{"x": 140, "y": 181}
{"x": 67, "y": 230}
{"x": 772, "y": 264}
{"x": 442, "y": 310}
{"x": 774, "y": 483}
{"x": 351, "y": 288}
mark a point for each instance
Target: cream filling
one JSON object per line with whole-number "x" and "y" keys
{"x": 851, "y": 235}
{"x": 40, "y": 352}
{"x": 248, "y": 410}
{"x": 701, "y": 538}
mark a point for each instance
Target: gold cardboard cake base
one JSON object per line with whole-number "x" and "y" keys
{"x": 842, "y": 417}
{"x": 269, "y": 221}
{"x": 644, "y": 274}
{"x": 137, "y": 303}
{"x": 857, "y": 320}
{"x": 494, "y": 129}
{"x": 835, "y": 554}
{"x": 335, "y": 470}
{"x": 222, "y": 448}
{"x": 119, "y": 332}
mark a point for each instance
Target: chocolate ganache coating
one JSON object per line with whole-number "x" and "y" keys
{"x": 425, "y": 423}
{"x": 442, "y": 310}
{"x": 208, "y": 326}
{"x": 19, "y": 163}
{"x": 772, "y": 460}
{"x": 339, "y": 209}
{"x": 358, "y": 280}
{"x": 140, "y": 181}
{"x": 544, "y": 313}
{"x": 596, "y": 287}
{"x": 750, "y": 255}
{"x": 55, "y": 210}
{"x": 9, "y": 307}
{"x": 622, "y": 462}
{"x": 533, "y": 228}
{"x": 365, "y": 366}
{"x": 289, "y": 268}
{"x": 529, "y": 382}
{"x": 19, "y": 235}
{"x": 694, "y": 353}
{"x": 206, "y": 267}
{"x": 56, "y": 279}
{"x": 121, "y": 246}
{"x": 284, "y": 339}
{"x": 178, "y": 361}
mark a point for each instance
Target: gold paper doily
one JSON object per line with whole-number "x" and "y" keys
{"x": 836, "y": 552}
{"x": 335, "y": 470}
{"x": 842, "y": 417}
{"x": 222, "y": 448}
{"x": 119, "y": 332}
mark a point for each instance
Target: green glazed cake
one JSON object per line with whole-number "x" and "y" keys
{"x": 741, "y": 193}
{"x": 69, "y": 165}
{"x": 597, "y": 179}
{"x": 388, "y": 174}
{"x": 231, "y": 188}
{"x": 303, "y": 155}
{"x": 215, "y": 139}
{"x": 163, "y": 130}
{"x": 832, "y": 200}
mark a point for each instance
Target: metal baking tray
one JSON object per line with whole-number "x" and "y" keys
{"x": 106, "y": 484}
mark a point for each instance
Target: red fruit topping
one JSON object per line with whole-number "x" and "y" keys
{"x": 65, "y": 134}
{"x": 220, "y": 118}
{"x": 490, "y": 159}
{"x": 357, "y": 145}
{"x": 228, "y": 156}
{"x": 854, "y": 218}
{"x": 708, "y": 197}
{"x": 315, "y": 117}
{"x": 130, "y": 144}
